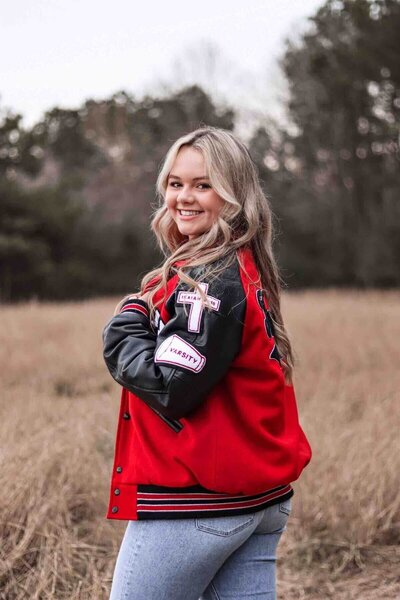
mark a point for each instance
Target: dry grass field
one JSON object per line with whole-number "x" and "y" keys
{"x": 58, "y": 418}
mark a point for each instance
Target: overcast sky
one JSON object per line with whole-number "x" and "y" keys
{"x": 58, "y": 52}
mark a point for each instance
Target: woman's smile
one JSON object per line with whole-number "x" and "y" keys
{"x": 189, "y": 214}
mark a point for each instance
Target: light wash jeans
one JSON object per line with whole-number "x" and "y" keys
{"x": 206, "y": 558}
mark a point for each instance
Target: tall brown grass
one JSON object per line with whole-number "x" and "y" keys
{"x": 58, "y": 416}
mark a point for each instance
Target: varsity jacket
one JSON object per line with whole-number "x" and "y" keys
{"x": 207, "y": 424}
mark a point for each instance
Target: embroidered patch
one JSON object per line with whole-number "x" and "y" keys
{"x": 274, "y": 354}
{"x": 268, "y": 323}
{"x": 157, "y": 322}
{"x": 176, "y": 351}
{"x": 196, "y": 305}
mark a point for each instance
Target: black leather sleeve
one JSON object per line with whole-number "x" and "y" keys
{"x": 173, "y": 371}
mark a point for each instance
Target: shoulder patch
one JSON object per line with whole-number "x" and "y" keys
{"x": 176, "y": 351}
{"x": 196, "y": 306}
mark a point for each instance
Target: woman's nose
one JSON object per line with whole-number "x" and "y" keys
{"x": 184, "y": 194}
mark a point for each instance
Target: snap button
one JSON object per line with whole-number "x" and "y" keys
{"x": 117, "y": 492}
{"x": 114, "y": 509}
{"x": 119, "y": 469}
{"x": 126, "y": 415}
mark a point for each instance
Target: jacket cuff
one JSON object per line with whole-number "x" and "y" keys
{"x": 135, "y": 305}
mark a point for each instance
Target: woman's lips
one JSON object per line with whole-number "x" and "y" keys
{"x": 189, "y": 217}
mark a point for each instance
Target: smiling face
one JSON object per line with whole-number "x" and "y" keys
{"x": 189, "y": 189}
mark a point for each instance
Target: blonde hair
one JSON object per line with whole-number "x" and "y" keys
{"x": 245, "y": 220}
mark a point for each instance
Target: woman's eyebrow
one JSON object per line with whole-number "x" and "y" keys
{"x": 194, "y": 178}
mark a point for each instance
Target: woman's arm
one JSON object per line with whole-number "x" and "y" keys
{"x": 173, "y": 371}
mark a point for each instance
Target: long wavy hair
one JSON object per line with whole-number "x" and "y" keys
{"x": 245, "y": 220}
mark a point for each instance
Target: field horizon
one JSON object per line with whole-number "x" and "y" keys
{"x": 59, "y": 409}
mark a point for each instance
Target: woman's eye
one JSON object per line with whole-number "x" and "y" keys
{"x": 176, "y": 183}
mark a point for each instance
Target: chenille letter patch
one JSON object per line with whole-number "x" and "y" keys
{"x": 176, "y": 351}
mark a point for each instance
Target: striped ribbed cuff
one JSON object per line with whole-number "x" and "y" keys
{"x": 135, "y": 305}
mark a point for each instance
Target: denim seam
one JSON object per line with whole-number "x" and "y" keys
{"x": 125, "y": 585}
{"x": 215, "y": 591}
{"x": 284, "y": 510}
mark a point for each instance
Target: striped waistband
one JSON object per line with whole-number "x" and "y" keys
{"x": 159, "y": 502}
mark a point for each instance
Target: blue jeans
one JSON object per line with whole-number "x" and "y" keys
{"x": 214, "y": 558}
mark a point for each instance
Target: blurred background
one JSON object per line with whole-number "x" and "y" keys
{"x": 92, "y": 95}
{"x": 91, "y": 99}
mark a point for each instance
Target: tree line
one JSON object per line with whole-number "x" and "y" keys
{"x": 77, "y": 188}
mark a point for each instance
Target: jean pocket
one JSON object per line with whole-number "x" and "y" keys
{"x": 224, "y": 526}
{"x": 286, "y": 506}
{"x": 275, "y": 518}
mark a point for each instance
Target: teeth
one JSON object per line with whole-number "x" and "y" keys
{"x": 190, "y": 212}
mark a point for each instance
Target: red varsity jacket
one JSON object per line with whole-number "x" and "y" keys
{"x": 207, "y": 425}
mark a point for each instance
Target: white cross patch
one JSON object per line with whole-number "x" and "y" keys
{"x": 196, "y": 305}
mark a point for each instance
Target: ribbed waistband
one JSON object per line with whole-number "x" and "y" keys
{"x": 159, "y": 502}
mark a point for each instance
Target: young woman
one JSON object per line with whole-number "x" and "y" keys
{"x": 208, "y": 438}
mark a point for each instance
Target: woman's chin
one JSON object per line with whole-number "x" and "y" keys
{"x": 188, "y": 232}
